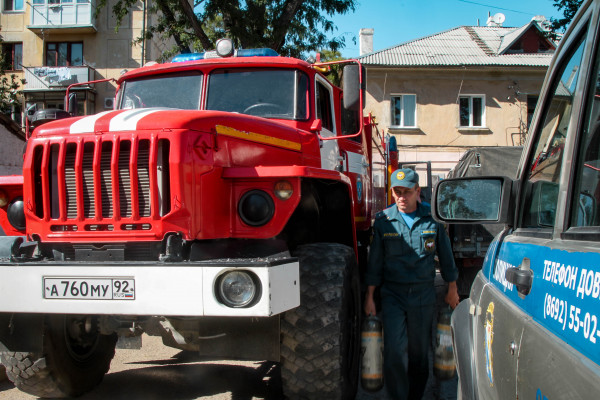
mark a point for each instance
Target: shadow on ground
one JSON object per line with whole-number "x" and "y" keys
{"x": 186, "y": 377}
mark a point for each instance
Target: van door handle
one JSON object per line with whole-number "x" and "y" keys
{"x": 521, "y": 277}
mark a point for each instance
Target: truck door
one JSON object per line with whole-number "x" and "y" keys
{"x": 356, "y": 166}
{"x": 330, "y": 153}
{"x": 560, "y": 231}
{"x": 536, "y": 274}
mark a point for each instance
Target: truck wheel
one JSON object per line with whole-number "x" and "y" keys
{"x": 321, "y": 338}
{"x": 74, "y": 360}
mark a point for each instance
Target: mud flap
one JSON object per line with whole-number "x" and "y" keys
{"x": 21, "y": 332}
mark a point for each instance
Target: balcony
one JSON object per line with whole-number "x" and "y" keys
{"x": 55, "y": 78}
{"x": 68, "y": 16}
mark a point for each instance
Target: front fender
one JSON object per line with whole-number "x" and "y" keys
{"x": 462, "y": 335}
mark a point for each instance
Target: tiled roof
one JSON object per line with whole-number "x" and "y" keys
{"x": 465, "y": 45}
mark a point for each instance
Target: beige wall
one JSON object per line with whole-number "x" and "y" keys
{"x": 105, "y": 50}
{"x": 438, "y": 137}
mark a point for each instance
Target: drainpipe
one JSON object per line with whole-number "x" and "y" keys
{"x": 143, "y": 32}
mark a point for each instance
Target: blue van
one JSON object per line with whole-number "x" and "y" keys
{"x": 530, "y": 328}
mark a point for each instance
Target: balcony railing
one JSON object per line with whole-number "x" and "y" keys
{"x": 47, "y": 78}
{"x": 70, "y": 15}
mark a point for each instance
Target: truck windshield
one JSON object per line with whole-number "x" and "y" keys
{"x": 269, "y": 93}
{"x": 173, "y": 91}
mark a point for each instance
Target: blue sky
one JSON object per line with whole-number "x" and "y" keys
{"x": 399, "y": 21}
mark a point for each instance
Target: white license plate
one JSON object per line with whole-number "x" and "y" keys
{"x": 89, "y": 288}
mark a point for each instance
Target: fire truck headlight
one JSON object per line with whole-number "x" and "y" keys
{"x": 16, "y": 214}
{"x": 256, "y": 208}
{"x": 238, "y": 288}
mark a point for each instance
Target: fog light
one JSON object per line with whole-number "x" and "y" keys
{"x": 283, "y": 190}
{"x": 238, "y": 288}
{"x": 256, "y": 208}
{"x": 16, "y": 214}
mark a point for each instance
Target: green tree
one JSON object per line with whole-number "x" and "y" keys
{"x": 10, "y": 86}
{"x": 569, "y": 9}
{"x": 332, "y": 72}
{"x": 290, "y": 27}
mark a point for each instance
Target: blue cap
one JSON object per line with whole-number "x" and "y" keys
{"x": 404, "y": 177}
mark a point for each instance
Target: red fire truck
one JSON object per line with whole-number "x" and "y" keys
{"x": 224, "y": 204}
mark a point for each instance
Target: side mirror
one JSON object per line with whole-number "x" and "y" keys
{"x": 31, "y": 111}
{"x": 473, "y": 200}
{"x": 353, "y": 90}
{"x": 72, "y": 104}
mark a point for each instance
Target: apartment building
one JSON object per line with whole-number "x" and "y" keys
{"x": 470, "y": 86}
{"x": 55, "y": 43}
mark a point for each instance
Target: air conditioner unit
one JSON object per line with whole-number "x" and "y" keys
{"x": 109, "y": 103}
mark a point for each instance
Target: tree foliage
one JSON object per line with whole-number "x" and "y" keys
{"x": 332, "y": 72}
{"x": 290, "y": 27}
{"x": 569, "y": 9}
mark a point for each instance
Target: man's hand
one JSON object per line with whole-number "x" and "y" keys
{"x": 452, "y": 296}
{"x": 369, "y": 306}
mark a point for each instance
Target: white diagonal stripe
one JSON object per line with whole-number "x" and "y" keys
{"x": 86, "y": 124}
{"x": 127, "y": 121}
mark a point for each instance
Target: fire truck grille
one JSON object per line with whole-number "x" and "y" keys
{"x": 101, "y": 181}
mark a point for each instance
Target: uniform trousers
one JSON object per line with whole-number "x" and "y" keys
{"x": 408, "y": 311}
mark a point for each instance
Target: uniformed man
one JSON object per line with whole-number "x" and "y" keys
{"x": 401, "y": 261}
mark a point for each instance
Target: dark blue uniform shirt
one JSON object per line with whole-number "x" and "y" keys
{"x": 401, "y": 255}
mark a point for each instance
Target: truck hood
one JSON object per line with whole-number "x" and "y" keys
{"x": 165, "y": 119}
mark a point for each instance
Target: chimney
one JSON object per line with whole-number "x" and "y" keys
{"x": 366, "y": 40}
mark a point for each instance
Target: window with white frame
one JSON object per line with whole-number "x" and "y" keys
{"x": 472, "y": 111}
{"x": 404, "y": 110}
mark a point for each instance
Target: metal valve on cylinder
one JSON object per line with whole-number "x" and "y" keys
{"x": 372, "y": 354}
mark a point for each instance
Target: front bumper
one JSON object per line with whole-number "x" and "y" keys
{"x": 168, "y": 289}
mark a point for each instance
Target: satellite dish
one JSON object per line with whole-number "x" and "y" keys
{"x": 499, "y": 18}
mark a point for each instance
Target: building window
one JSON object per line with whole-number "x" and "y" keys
{"x": 472, "y": 111}
{"x": 64, "y": 54}
{"x": 12, "y": 56}
{"x": 404, "y": 110}
{"x": 13, "y": 5}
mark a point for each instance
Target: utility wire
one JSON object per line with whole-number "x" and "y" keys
{"x": 496, "y": 7}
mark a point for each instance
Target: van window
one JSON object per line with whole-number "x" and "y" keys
{"x": 541, "y": 185}
{"x": 585, "y": 204}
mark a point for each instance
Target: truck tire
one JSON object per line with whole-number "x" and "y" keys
{"x": 75, "y": 358}
{"x": 321, "y": 338}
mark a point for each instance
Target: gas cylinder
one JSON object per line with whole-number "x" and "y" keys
{"x": 444, "y": 365}
{"x": 372, "y": 354}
